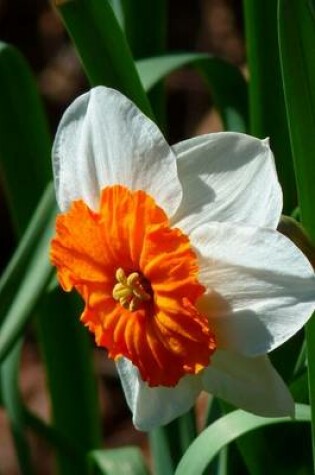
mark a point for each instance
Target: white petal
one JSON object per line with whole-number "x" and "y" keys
{"x": 261, "y": 288}
{"x": 153, "y": 407}
{"x": 251, "y": 384}
{"x": 103, "y": 139}
{"x": 227, "y": 177}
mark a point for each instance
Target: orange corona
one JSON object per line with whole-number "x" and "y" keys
{"x": 138, "y": 279}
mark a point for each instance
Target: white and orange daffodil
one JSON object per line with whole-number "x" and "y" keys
{"x": 175, "y": 253}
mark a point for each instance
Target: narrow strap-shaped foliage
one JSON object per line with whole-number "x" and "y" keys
{"x": 145, "y": 29}
{"x": 228, "y": 87}
{"x": 10, "y": 367}
{"x": 29, "y": 272}
{"x": 145, "y": 26}
{"x": 268, "y": 119}
{"x": 68, "y": 358}
{"x": 118, "y": 10}
{"x": 219, "y": 465}
{"x": 26, "y": 170}
{"x": 159, "y": 439}
{"x": 296, "y": 36}
{"x": 102, "y": 47}
{"x": 15, "y": 269}
{"x": 222, "y": 432}
{"x": 28, "y": 292}
{"x": 24, "y": 139}
{"x": 267, "y": 108}
{"x": 297, "y": 39}
{"x": 299, "y": 388}
{"x": 51, "y": 436}
{"x": 13, "y": 404}
{"x": 122, "y": 461}
{"x": 169, "y": 443}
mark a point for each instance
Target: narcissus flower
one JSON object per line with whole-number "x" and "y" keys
{"x": 175, "y": 253}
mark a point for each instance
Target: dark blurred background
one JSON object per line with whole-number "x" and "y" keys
{"x": 33, "y": 26}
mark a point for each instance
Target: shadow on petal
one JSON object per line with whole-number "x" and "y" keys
{"x": 240, "y": 331}
{"x": 198, "y": 192}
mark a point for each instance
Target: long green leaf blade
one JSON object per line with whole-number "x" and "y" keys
{"x": 296, "y": 36}
{"x": 13, "y": 404}
{"x": 169, "y": 443}
{"x": 29, "y": 272}
{"x": 145, "y": 26}
{"x": 9, "y": 369}
{"x": 296, "y": 40}
{"x": 102, "y": 47}
{"x": 24, "y": 139}
{"x": 26, "y": 169}
{"x": 225, "y": 430}
{"x": 51, "y": 436}
{"x": 15, "y": 269}
{"x": 68, "y": 359}
{"x": 28, "y": 294}
{"x": 123, "y": 461}
{"x": 145, "y": 29}
{"x": 226, "y": 83}
{"x": 267, "y": 108}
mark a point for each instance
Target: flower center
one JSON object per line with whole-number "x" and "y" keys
{"x": 166, "y": 337}
{"x": 130, "y": 290}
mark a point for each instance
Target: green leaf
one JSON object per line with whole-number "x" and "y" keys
{"x": 145, "y": 26}
{"x": 118, "y": 10}
{"x": 225, "y": 430}
{"x": 15, "y": 269}
{"x": 228, "y": 87}
{"x": 28, "y": 291}
{"x": 299, "y": 388}
{"x": 145, "y": 29}
{"x": 13, "y": 405}
{"x": 51, "y": 436}
{"x": 296, "y": 41}
{"x": 296, "y": 38}
{"x": 68, "y": 359}
{"x": 301, "y": 362}
{"x": 25, "y": 166}
{"x": 267, "y": 108}
{"x": 168, "y": 443}
{"x": 160, "y": 446}
{"x": 268, "y": 118}
{"x": 9, "y": 283}
{"x": 124, "y": 461}
{"x": 103, "y": 48}
{"x": 24, "y": 137}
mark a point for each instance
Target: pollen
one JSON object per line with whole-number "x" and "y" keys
{"x": 146, "y": 309}
{"x": 129, "y": 291}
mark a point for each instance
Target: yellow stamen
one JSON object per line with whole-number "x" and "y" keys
{"x": 129, "y": 291}
{"x": 133, "y": 279}
{"x": 120, "y": 291}
{"x": 121, "y": 276}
